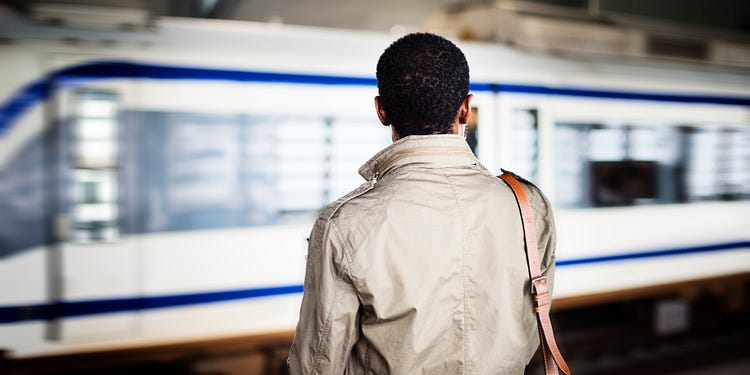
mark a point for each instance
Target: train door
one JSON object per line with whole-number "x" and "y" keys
{"x": 92, "y": 266}
{"x": 525, "y": 133}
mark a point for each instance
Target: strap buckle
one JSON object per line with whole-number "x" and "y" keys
{"x": 541, "y": 280}
{"x": 540, "y": 292}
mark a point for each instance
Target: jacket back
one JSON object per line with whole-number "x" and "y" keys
{"x": 422, "y": 269}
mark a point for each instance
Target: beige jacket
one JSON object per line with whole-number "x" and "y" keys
{"x": 421, "y": 270}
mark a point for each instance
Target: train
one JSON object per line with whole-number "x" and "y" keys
{"x": 159, "y": 185}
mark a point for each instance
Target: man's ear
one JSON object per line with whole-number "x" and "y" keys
{"x": 381, "y": 112}
{"x": 465, "y": 110}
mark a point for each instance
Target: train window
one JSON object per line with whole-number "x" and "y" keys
{"x": 352, "y": 143}
{"x": 717, "y": 162}
{"x": 210, "y": 170}
{"x": 318, "y": 161}
{"x": 200, "y": 171}
{"x": 95, "y": 169}
{"x": 617, "y": 164}
{"x": 302, "y": 149}
{"x": 525, "y": 151}
{"x": 737, "y": 178}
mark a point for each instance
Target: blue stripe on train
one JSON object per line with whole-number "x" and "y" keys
{"x": 12, "y": 314}
{"x": 656, "y": 253}
{"x": 40, "y": 90}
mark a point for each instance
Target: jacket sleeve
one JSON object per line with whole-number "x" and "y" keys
{"x": 327, "y": 327}
{"x": 544, "y": 224}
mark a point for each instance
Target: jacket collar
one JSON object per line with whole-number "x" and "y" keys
{"x": 443, "y": 150}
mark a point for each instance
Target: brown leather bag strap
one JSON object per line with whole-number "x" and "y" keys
{"x": 552, "y": 356}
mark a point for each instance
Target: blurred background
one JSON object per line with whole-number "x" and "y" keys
{"x": 162, "y": 163}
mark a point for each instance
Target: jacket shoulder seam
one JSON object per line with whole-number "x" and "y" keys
{"x": 345, "y": 247}
{"x": 330, "y": 210}
{"x": 531, "y": 187}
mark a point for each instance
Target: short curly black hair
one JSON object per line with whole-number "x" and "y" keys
{"x": 422, "y": 80}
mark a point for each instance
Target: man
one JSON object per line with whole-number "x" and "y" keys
{"x": 422, "y": 269}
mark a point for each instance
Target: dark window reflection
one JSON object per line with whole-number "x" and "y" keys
{"x": 621, "y": 183}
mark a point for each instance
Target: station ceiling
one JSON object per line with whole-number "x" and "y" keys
{"x": 407, "y": 15}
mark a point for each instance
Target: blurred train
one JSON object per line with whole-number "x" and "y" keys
{"x": 159, "y": 185}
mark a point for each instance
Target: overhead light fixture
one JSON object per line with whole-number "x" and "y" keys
{"x": 91, "y": 17}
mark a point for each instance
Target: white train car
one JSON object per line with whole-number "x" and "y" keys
{"x": 158, "y": 186}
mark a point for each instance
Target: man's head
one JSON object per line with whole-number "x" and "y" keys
{"x": 423, "y": 85}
